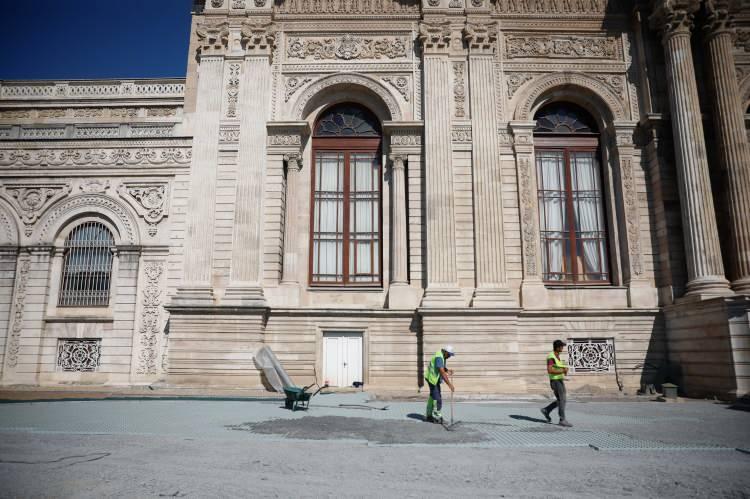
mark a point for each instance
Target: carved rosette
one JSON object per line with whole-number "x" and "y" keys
{"x": 31, "y": 200}
{"x": 293, "y": 84}
{"x": 19, "y": 298}
{"x": 213, "y": 38}
{"x": 150, "y": 318}
{"x": 149, "y": 200}
{"x": 400, "y": 83}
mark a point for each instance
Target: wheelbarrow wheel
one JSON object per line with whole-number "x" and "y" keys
{"x": 289, "y": 404}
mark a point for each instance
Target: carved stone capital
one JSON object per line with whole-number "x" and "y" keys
{"x": 436, "y": 36}
{"x": 523, "y": 136}
{"x": 213, "y": 38}
{"x": 625, "y": 134}
{"x": 258, "y": 37}
{"x": 481, "y": 37}
{"x": 397, "y": 161}
{"x": 674, "y": 17}
{"x": 719, "y": 20}
{"x": 293, "y": 162}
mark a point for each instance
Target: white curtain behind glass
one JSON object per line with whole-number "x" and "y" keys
{"x": 328, "y": 228}
{"x": 552, "y": 212}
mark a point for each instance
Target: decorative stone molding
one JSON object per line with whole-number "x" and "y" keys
{"x": 347, "y": 80}
{"x": 481, "y": 37}
{"x": 361, "y": 7}
{"x": 743, "y": 40}
{"x": 514, "y": 81}
{"x": 9, "y": 234}
{"x": 151, "y": 131}
{"x": 293, "y": 84}
{"x": 149, "y": 329}
{"x": 229, "y": 134}
{"x": 561, "y": 47}
{"x": 19, "y": 300}
{"x": 97, "y": 132}
{"x": 616, "y": 83}
{"x": 52, "y": 219}
{"x": 459, "y": 89}
{"x": 461, "y": 134}
{"x": 213, "y": 37}
{"x": 286, "y": 137}
{"x": 347, "y": 47}
{"x": 92, "y": 90}
{"x": 217, "y": 4}
{"x": 30, "y": 200}
{"x": 590, "y": 85}
{"x": 528, "y": 214}
{"x": 630, "y": 196}
{"x": 400, "y": 83}
{"x": 150, "y": 201}
{"x": 238, "y": 4}
{"x": 233, "y": 89}
{"x": 435, "y": 36}
{"x": 557, "y": 7}
{"x": 98, "y": 157}
{"x": 94, "y": 186}
{"x": 405, "y": 136}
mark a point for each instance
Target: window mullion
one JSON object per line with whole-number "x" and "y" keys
{"x": 571, "y": 215}
{"x": 346, "y": 214}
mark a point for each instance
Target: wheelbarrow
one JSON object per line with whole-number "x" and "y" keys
{"x": 297, "y": 397}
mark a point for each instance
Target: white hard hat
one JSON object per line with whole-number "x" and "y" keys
{"x": 449, "y": 349}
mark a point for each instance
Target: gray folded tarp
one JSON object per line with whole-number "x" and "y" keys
{"x": 277, "y": 377}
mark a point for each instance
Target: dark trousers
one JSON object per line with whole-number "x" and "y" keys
{"x": 558, "y": 387}
{"x": 436, "y": 396}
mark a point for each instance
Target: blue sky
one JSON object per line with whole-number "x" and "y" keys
{"x": 81, "y": 39}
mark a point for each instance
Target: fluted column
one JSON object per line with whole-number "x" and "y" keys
{"x": 492, "y": 289}
{"x": 734, "y": 152}
{"x": 254, "y": 110}
{"x": 442, "y": 277}
{"x": 398, "y": 243}
{"x": 289, "y": 269}
{"x": 703, "y": 254}
{"x": 197, "y": 288}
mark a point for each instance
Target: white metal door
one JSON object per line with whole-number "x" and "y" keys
{"x": 342, "y": 358}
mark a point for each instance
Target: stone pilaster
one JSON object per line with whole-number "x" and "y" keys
{"x": 491, "y": 285}
{"x": 442, "y": 276}
{"x": 533, "y": 292}
{"x": 291, "y": 242}
{"x": 196, "y": 287}
{"x": 398, "y": 242}
{"x": 254, "y": 109}
{"x": 703, "y": 254}
{"x": 734, "y": 151}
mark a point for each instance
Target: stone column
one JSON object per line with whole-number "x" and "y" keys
{"x": 398, "y": 242}
{"x": 442, "y": 276}
{"x": 734, "y": 152}
{"x": 703, "y": 255}
{"x": 492, "y": 288}
{"x": 254, "y": 110}
{"x": 533, "y": 292}
{"x": 291, "y": 244}
{"x": 197, "y": 287}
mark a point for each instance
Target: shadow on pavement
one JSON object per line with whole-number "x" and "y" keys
{"x": 414, "y": 415}
{"x": 527, "y": 418}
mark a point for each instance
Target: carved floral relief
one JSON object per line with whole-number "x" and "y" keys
{"x": 32, "y": 199}
{"x": 149, "y": 200}
{"x": 347, "y": 47}
{"x": 561, "y": 47}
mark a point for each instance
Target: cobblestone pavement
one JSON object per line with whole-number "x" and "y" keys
{"x": 125, "y": 448}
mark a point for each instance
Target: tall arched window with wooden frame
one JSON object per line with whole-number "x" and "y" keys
{"x": 346, "y": 229}
{"x": 571, "y": 209}
{"x": 87, "y": 266}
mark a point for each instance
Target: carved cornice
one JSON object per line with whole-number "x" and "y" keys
{"x": 96, "y": 157}
{"x": 287, "y": 137}
{"x": 481, "y": 37}
{"x": 213, "y": 37}
{"x": 557, "y": 8}
{"x": 258, "y": 37}
{"x": 674, "y": 17}
{"x": 435, "y": 36}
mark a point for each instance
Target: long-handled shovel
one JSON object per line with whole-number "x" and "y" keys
{"x": 452, "y": 426}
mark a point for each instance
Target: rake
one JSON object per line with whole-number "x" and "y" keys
{"x": 453, "y": 424}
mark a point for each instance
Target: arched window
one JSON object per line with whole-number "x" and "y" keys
{"x": 87, "y": 266}
{"x": 346, "y": 226}
{"x": 569, "y": 181}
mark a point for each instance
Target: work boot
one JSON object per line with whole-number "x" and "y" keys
{"x": 545, "y": 413}
{"x": 429, "y": 419}
{"x": 564, "y": 422}
{"x": 438, "y": 417}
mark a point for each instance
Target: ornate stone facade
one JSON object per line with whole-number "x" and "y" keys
{"x": 207, "y": 184}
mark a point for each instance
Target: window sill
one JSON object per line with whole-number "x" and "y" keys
{"x": 347, "y": 289}
{"x": 583, "y": 286}
{"x": 80, "y": 317}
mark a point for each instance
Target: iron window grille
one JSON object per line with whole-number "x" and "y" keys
{"x": 87, "y": 266}
{"x": 79, "y": 355}
{"x": 592, "y": 355}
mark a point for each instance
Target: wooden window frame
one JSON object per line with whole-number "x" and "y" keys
{"x": 346, "y": 146}
{"x": 567, "y": 144}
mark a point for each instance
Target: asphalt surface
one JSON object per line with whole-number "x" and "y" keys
{"x": 347, "y": 445}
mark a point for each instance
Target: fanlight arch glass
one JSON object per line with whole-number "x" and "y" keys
{"x": 347, "y": 120}
{"x": 87, "y": 266}
{"x": 346, "y": 228}
{"x": 571, "y": 208}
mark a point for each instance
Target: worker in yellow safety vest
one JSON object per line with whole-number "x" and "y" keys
{"x": 556, "y": 369}
{"x": 437, "y": 371}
